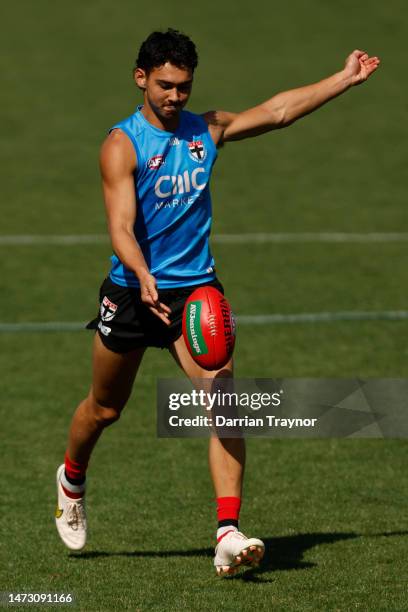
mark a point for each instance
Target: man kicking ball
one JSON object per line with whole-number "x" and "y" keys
{"x": 156, "y": 167}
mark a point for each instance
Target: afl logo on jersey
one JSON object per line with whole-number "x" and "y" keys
{"x": 197, "y": 151}
{"x": 155, "y": 162}
{"x": 108, "y": 309}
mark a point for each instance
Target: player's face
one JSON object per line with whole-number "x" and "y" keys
{"x": 167, "y": 89}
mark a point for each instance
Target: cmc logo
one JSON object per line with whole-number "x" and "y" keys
{"x": 182, "y": 183}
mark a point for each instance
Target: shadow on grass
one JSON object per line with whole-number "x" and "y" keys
{"x": 282, "y": 553}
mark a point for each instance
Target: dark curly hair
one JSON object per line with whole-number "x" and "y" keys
{"x": 170, "y": 46}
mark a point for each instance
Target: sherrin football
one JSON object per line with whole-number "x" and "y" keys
{"x": 209, "y": 328}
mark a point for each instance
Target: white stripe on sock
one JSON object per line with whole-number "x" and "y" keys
{"x": 71, "y": 487}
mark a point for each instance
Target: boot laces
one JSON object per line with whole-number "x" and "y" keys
{"x": 76, "y": 515}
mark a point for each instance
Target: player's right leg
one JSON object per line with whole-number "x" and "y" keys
{"x": 226, "y": 462}
{"x": 112, "y": 382}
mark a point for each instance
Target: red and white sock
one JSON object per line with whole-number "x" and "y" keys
{"x": 73, "y": 478}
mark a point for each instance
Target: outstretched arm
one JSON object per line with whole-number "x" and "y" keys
{"x": 288, "y": 106}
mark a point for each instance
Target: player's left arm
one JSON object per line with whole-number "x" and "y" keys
{"x": 286, "y": 107}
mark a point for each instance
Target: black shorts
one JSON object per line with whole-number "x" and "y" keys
{"x": 124, "y": 323}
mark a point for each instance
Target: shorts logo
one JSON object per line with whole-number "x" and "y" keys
{"x": 197, "y": 151}
{"x": 108, "y": 309}
{"x": 155, "y": 162}
{"x": 104, "y": 329}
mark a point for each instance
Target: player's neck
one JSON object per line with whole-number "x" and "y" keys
{"x": 169, "y": 125}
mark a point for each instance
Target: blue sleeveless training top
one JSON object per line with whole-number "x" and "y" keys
{"x": 173, "y": 218}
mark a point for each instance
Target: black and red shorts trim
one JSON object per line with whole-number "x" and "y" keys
{"x": 124, "y": 323}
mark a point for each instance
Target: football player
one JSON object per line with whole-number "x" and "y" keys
{"x": 156, "y": 167}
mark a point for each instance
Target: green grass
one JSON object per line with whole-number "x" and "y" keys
{"x": 332, "y": 512}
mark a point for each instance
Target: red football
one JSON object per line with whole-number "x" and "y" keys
{"x": 209, "y": 328}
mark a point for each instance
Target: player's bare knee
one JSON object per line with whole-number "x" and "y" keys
{"x": 104, "y": 414}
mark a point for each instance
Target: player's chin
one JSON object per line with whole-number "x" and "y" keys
{"x": 171, "y": 111}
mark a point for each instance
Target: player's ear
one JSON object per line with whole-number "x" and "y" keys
{"x": 140, "y": 77}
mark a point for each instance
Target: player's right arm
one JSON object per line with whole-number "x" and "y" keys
{"x": 117, "y": 164}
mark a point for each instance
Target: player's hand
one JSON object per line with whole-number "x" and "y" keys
{"x": 150, "y": 297}
{"x": 359, "y": 66}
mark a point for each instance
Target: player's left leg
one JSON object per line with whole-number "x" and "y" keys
{"x": 227, "y": 463}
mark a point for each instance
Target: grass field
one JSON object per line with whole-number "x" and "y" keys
{"x": 332, "y": 512}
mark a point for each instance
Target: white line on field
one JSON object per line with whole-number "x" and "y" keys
{"x": 322, "y": 317}
{"x": 43, "y": 326}
{"x": 66, "y": 239}
{"x": 314, "y": 317}
{"x": 62, "y": 239}
{"x": 311, "y": 237}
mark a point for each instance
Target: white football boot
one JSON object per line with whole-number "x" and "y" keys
{"x": 70, "y": 517}
{"x": 236, "y": 550}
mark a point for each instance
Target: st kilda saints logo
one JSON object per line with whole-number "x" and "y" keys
{"x": 197, "y": 150}
{"x": 108, "y": 309}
